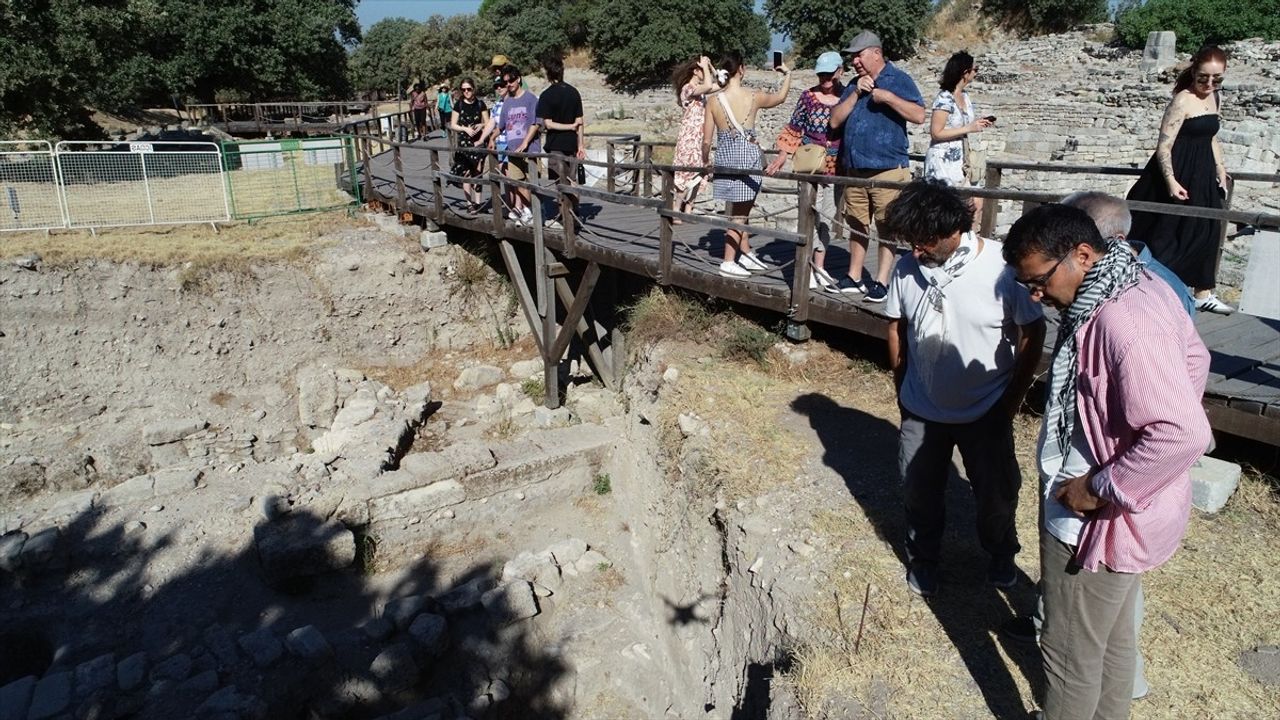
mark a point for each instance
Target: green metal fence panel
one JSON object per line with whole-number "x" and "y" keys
{"x": 279, "y": 177}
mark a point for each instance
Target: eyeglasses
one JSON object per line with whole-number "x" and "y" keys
{"x": 513, "y": 81}
{"x": 1209, "y": 79}
{"x": 1037, "y": 284}
{"x": 468, "y": 89}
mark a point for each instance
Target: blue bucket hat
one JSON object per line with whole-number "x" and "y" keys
{"x": 828, "y": 62}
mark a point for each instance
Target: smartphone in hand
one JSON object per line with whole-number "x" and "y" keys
{"x": 991, "y": 119}
{"x": 777, "y": 59}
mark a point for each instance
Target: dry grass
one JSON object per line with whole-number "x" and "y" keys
{"x": 230, "y": 247}
{"x": 957, "y": 25}
{"x": 944, "y": 659}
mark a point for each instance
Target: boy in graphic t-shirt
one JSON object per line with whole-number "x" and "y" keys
{"x": 519, "y": 122}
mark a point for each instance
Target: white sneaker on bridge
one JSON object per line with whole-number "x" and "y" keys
{"x": 731, "y": 269}
{"x": 1211, "y": 303}
{"x": 751, "y": 261}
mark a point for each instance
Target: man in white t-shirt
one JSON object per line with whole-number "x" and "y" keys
{"x": 964, "y": 342}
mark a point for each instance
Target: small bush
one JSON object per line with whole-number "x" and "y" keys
{"x": 747, "y": 341}
{"x": 1199, "y": 22}
{"x": 534, "y": 388}
{"x": 602, "y": 485}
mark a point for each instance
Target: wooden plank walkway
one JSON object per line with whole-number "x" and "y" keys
{"x": 1243, "y": 393}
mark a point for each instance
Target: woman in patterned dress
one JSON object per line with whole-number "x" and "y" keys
{"x": 954, "y": 118}
{"x": 468, "y": 118}
{"x": 692, "y": 81}
{"x": 733, "y": 121}
{"x": 811, "y": 125}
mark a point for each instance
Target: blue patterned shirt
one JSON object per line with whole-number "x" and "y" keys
{"x": 875, "y": 136}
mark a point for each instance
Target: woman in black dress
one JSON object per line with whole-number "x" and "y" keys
{"x": 469, "y": 117}
{"x": 1187, "y": 168}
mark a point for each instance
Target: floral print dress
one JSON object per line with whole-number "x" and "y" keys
{"x": 689, "y": 142}
{"x": 945, "y": 160}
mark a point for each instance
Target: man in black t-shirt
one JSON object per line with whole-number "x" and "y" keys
{"x": 560, "y": 114}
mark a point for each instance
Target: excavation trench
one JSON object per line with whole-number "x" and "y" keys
{"x": 295, "y": 491}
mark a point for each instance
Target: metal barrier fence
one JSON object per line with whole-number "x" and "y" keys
{"x": 88, "y": 184}
{"x": 29, "y": 182}
{"x": 141, "y": 183}
{"x": 275, "y": 177}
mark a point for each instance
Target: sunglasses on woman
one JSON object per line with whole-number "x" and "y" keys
{"x": 1209, "y": 79}
{"x": 468, "y": 89}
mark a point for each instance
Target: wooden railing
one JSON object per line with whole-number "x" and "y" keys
{"x": 277, "y": 116}
{"x": 807, "y": 187}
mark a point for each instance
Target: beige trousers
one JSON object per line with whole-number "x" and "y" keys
{"x": 1088, "y": 641}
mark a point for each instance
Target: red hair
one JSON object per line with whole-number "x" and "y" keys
{"x": 1206, "y": 54}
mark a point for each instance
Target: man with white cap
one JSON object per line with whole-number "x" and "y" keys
{"x": 874, "y": 113}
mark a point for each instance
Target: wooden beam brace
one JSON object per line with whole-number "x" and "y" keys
{"x": 575, "y": 309}
{"x": 516, "y": 273}
{"x": 603, "y": 366}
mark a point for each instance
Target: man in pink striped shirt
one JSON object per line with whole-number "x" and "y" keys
{"x": 1123, "y": 424}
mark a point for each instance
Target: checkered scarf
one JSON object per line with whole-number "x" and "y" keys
{"x": 1112, "y": 274}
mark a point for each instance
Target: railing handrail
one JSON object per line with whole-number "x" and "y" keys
{"x": 1069, "y": 168}
{"x": 1258, "y": 219}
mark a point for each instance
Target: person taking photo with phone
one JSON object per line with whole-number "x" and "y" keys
{"x": 952, "y": 120}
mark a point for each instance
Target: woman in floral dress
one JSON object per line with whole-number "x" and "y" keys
{"x": 693, "y": 81}
{"x": 811, "y": 125}
{"x": 954, "y": 117}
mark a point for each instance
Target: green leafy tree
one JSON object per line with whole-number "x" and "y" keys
{"x": 57, "y": 54}
{"x": 377, "y": 64}
{"x": 446, "y": 48}
{"x": 1198, "y": 22}
{"x": 635, "y": 43}
{"x": 538, "y": 27}
{"x": 817, "y": 25}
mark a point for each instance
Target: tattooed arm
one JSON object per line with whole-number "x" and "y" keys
{"x": 1169, "y": 126}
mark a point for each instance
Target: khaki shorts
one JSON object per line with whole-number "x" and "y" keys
{"x": 518, "y": 168}
{"x": 861, "y": 204}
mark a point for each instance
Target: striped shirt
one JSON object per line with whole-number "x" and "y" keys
{"x": 1142, "y": 370}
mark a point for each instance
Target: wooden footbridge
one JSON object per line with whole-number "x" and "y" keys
{"x": 628, "y": 225}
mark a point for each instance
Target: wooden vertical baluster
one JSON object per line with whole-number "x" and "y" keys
{"x": 990, "y": 206}
{"x": 666, "y": 230}
{"x": 806, "y": 224}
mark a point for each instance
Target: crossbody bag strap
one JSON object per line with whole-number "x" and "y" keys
{"x": 728, "y": 111}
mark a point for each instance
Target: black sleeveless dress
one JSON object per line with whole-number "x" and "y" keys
{"x": 1188, "y": 246}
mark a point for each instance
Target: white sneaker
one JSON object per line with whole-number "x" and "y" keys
{"x": 513, "y": 215}
{"x": 553, "y": 224}
{"x": 1211, "y": 303}
{"x": 526, "y": 218}
{"x": 751, "y": 262}
{"x": 731, "y": 269}
{"x": 820, "y": 280}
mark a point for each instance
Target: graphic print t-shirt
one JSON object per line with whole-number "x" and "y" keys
{"x": 518, "y": 115}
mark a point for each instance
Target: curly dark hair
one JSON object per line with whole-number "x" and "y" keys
{"x": 957, "y": 65}
{"x": 1051, "y": 230}
{"x": 927, "y": 211}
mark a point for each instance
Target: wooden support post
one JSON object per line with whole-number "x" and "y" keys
{"x": 495, "y": 197}
{"x": 797, "y": 330}
{"x": 611, "y": 172}
{"x": 437, "y": 187}
{"x": 575, "y": 308}
{"x": 368, "y": 171}
{"x": 618, "y": 356}
{"x": 666, "y": 230}
{"x": 401, "y": 204}
{"x": 516, "y": 274}
{"x": 990, "y": 206}
{"x": 648, "y": 170}
{"x": 568, "y": 172}
{"x": 603, "y": 366}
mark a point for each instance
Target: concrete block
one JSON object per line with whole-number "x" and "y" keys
{"x": 512, "y": 602}
{"x": 432, "y": 240}
{"x": 11, "y": 550}
{"x": 176, "y": 480}
{"x": 40, "y": 549}
{"x": 394, "y": 668}
{"x": 1212, "y": 483}
{"x": 453, "y": 462}
{"x": 132, "y": 491}
{"x": 428, "y": 631}
{"x": 402, "y": 611}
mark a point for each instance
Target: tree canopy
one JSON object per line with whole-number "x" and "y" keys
{"x": 535, "y": 28}
{"x": 448, "y": 47}
{"x": 57, "y": 56}
{"x": 817, "y": 25}
{"x": 636, "y": 42}
{"x": 1197, "y": 22}
{"x": 377, "y": 64}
